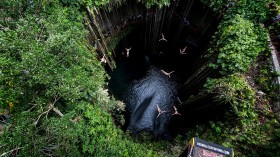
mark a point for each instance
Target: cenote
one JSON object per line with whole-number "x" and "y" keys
{"x": 138, "y": 79}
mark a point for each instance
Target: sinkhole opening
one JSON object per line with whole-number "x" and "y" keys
{"x": 159, "y": 41}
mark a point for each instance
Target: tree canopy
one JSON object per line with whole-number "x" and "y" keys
{"x": 52, "y": 83}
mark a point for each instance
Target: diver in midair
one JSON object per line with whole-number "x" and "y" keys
{"x": 159, "y": 111}
{"x": 166, "y": 73}
{"x": 183, "y": 51}
{"x": 176, "y": 111}
{"x": 162, "y": 38}
{"x": 127, "y": 51}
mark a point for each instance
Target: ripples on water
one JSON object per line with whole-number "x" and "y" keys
{"x": 141, "y": 99}
{"x": 141, "y": 95}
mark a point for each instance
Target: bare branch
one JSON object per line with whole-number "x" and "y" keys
{"x": 51, "y": 106}
{"x": 10, "y": 151}
{"x": 2, "y": 121}
{"x": 3, "y": 28}
{"x": 34, "y": 105}
{"x": 58, "y": 112}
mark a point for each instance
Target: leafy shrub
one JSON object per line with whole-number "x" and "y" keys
{"x": 234, "y": 90}
{"x": 250, "y": 131}
{"x": 240, "y": 38}
{"x": 238, "y": 43}
{"x": 215, "y": 5}
{"x": 256, "y": 10}
{"x": 86, "y": 130}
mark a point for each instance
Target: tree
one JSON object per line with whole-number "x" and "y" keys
{"x": 51, "y": 75}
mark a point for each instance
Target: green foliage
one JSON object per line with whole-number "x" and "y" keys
{"x": 215, "y": 5}
{"x": 73, "y": 2}
{"x": 83, "y": 3}
{"x": 271, "y": 147}
{"x": 43, "y": 53}
{"x": 162, "y": 147}
{"x": 104, "y": 136}
{"x": 159, "y": 3}
{"x": 238, "y": 43}
{"x": 265, "y": 77}
{"x": 29, "y": 136}
{"x": 251, "y": 131}
{"x": 274, "y": 26}
{"x": 254, "y": 140}
{"x": 91, "y": 134}
{"x": 47, "y": 62}
{"x": 234, "y": 89}
{"x": 256, "y": 10}
{"x": 250, "y": 127}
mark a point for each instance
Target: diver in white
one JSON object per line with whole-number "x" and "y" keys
{"x": 159, "y": 111}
